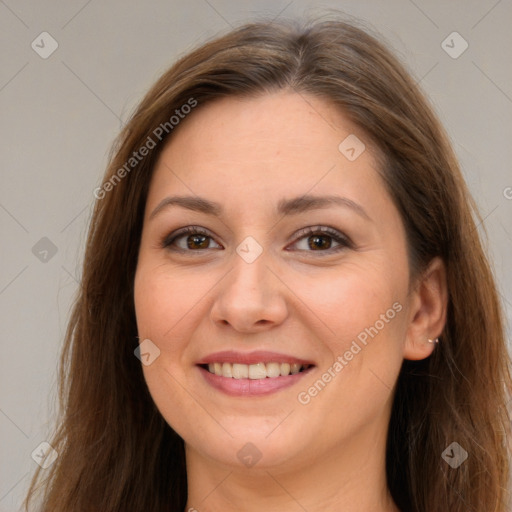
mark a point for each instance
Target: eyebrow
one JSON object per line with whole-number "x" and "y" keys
{"x": 285, "y": 207}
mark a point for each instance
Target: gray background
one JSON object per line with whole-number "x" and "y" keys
{"x": 60, "y": 115}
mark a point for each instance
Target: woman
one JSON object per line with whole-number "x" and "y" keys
{"x": 285, "y": 303}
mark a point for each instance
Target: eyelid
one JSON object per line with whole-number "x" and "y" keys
{"x": 341, "y": 238}
{"x": 169, "y": 239}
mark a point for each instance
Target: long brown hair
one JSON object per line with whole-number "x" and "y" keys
{"x": 116, "y": 452}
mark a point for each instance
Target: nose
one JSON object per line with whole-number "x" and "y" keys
{"x": 250, "y": 298}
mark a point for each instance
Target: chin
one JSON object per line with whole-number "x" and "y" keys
{"x": 254, "y": 444}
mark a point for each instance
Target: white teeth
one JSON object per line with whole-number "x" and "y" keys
{"x": 240, "y": 371}
{"x": 273, "y": 370}
{"x": 285, "y": 368}
{"x": 227, "y": 370}
{"x": 255, "y": 371}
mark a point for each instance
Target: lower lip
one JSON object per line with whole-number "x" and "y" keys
{"x": 251, "y": 387}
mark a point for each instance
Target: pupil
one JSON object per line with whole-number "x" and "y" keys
{"x": 197, "y": 239}
{"x": 317, "y": 242}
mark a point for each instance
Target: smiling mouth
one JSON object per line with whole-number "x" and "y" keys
{"x": 255, "y": 371}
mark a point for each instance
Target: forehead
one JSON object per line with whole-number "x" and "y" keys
{"x": 281, "y": 123}
{"x": 274, "y": 145}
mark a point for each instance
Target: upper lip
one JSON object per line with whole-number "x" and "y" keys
{"x": 259, "y": 356}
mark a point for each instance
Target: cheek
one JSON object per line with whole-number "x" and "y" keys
{"x": 163, "y": 307}
{"x": 362, "y": 310}
{"x": 352, "y": 299}
{"x": 163, "y": 300}
{"x": 363, "y": 314}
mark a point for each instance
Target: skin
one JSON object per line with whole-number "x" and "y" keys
{"x": 247, "y": 154}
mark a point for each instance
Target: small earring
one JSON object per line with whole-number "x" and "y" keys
{"x": 433, "y": 341}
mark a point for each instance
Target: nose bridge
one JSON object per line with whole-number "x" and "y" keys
{"x": 249, "y": 296}
{"x": 250, "y": 265}
{"x": 249, "y": 277}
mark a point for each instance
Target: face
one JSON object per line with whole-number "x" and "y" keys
{"x": 272, "y": 283}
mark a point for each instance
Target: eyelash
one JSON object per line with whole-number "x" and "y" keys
{"x": 340, "y": 238}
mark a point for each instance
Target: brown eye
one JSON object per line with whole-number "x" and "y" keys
{"x": 321, "y": 239}
{"x": 197, "y": 241}
{"x": 189, "y": 239}
{"x": 316, "y": 242}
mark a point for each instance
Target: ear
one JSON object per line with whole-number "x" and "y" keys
{"x": 428, "y": 307}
